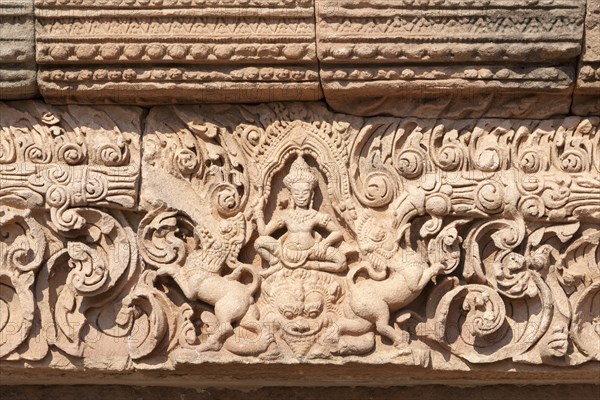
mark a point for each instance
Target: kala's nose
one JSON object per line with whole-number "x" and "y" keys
{"x": 300, "y": 328}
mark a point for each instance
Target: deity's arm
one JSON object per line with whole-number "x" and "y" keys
{"x": 267, "y": 229}
{"x": 335, "y": 235}
{"x": 259, "y": 217}
{"x": 248, "y": 224}
{"x": 272, "y": 226}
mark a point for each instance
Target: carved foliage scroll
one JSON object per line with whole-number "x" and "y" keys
{"x": 284, "y": 233}
{"x": 288, "y": 233}
{"x": 66, "y": 259}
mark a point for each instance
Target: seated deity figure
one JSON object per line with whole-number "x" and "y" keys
{"x": 301, "y": 246}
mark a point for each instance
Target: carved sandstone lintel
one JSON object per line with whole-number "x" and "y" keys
{"x": 292, "y": 233}
{"x": 17, "y": 58}
{"x": 284, "y": 233}
{"x": 64, "y": 257}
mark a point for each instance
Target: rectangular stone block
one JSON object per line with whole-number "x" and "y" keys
{"x": 586, "y": 99}
{"x": 59, "y": 158}
{"x": 283, "y": 237}
{"x": 17, "y": 58}
{"x": 66, "y": 176}
{"x": 181, "y": 51}
{"x": 449, "y": 58}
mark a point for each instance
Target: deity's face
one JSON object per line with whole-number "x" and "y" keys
{"x": 302, "y": 193}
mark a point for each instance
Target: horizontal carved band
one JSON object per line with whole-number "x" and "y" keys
{"x": 284, "y": 233}
{"x": 177, "y": 51}
{"x": 428, "y": 59}
{"x": 17, "y": 55}
{"x": 587, "y": 93}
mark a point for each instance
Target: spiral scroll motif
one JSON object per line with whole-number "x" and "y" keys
{"x": 477, "y": 325}
{"x": 113, "y": 155}
{"x": 378, "y": 189}
{"x": 490, "y": 197}
{"x": 22, "y": 248}
{"x": 160, "y": 237}
{"x": 410, "y": 163}
{"x": 187, "y": 161}
{"x": 450, "y": 157}
{"x": 38, "y": 154}
{"x": 71, "y": 153}
{"x": 586, "y": 321}
{"x": 226, "y": 199}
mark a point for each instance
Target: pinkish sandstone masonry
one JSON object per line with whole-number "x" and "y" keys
{"x": 259, "y": 193}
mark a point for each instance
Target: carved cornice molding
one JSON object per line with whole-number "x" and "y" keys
{"x": 428, "y": 59}
{"x": 284, "y": 233}
{"x": 587, "y": 92}
{"x": 143, "y": 52}
{"x": 17, "y": 56}
{"x": 449, "y": 59}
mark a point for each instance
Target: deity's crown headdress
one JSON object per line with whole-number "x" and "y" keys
{"x": 300, "y": 171}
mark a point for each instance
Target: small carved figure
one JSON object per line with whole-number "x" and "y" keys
{"x": 395, "y": 277}
{"x": 301, "y": 246}
{"x": 203, "y": 277}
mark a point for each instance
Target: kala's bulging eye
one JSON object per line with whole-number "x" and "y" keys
{"x": 288, "y": 314}
{"x": 313, "y": 314}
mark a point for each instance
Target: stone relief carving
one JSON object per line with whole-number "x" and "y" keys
{"x": 302, "y": 245}
{"x": 176, "y": 51}
{"x": 65, "y": 258}
{"x": 286, "y": 233}
{"x": 495, "y": 59}
{"x": 587, "y": 91}
{"x": 449, "y": 59}
{"x": 347, "y": 237}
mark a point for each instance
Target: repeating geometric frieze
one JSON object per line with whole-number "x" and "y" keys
{"x": 449, "y": 59}
{"x": 285, "y": 233}
{"x": 199, "y": 51}
{"x": 477, "y": 30}
{"x": 427, "y": 59}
